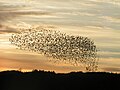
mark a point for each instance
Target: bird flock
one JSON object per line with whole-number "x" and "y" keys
{"x": 59, "y": 46}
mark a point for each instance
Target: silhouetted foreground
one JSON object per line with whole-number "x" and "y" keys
{"x": 41, "y": 80}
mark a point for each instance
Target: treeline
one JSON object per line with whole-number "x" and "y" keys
{"x": 43, "y": 80}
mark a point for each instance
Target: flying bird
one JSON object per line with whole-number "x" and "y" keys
{"x": 59, "y": 46}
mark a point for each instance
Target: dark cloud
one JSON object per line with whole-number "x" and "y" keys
{"x": 11, "y": 12}
{"x": 6, "y": 15}
{"x": 4, "y": 12}
{"x": 31, "y": 13}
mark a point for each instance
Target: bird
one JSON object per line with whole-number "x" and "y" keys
{"x": 59, "y": 46}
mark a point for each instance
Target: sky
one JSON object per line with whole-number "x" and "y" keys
{"x": 98, "y": 20}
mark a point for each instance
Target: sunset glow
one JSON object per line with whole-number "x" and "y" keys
{"x": 98, "y": 20}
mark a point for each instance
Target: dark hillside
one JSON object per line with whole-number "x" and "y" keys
{"x": 41, "y": 80}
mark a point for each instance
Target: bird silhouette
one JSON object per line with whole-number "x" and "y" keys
{"x": 60, "y": 46}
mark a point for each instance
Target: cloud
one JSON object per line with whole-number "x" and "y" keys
{"x": 109, "y": 54}
{"x": 29, "y": 13}
{"x": 110, "y": 69}
{"x": 6, "y": 15}
{"x": 29, "y": 61}
{"x": 9, "y": 12}
{"x": 19, "y": 58}
{"x": 7, "y": 29}
{"x": 5, "y": 10}
{"x": 111, "y": 19}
